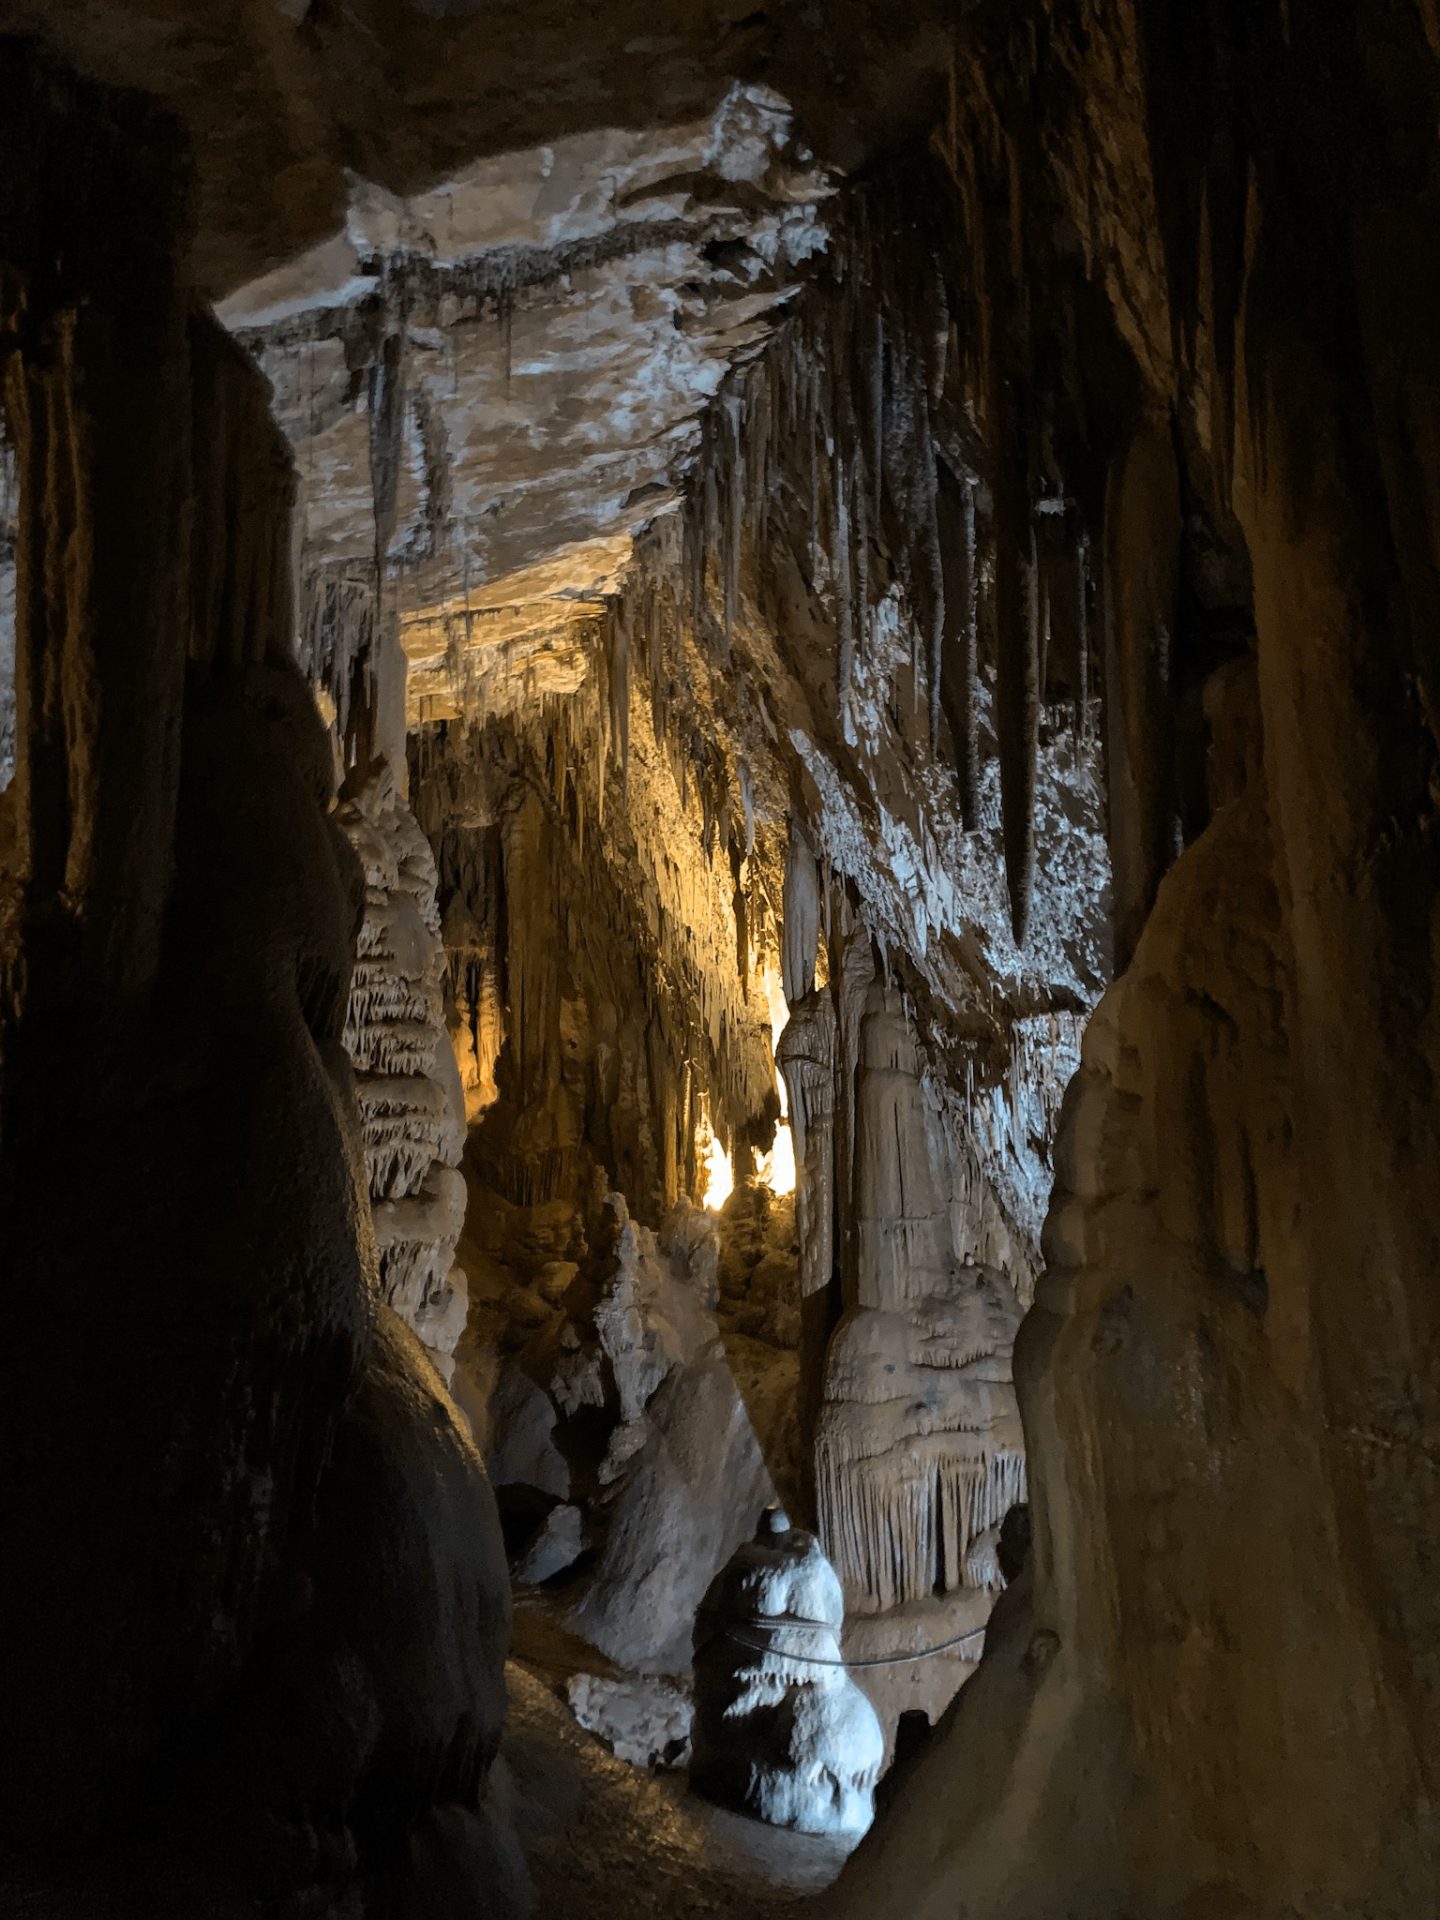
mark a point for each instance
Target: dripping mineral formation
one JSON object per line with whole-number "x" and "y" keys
{"x": 718, "y": 774}
{"x": 781, "y": 1730}
{"x": 407, "y": 1077}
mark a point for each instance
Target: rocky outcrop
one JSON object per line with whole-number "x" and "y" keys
{"x": 918, "y": 1447}
{"x": 621, "y": 1410}
{"x": 919, "y": 1452}
{"x": 781, "y": 1731}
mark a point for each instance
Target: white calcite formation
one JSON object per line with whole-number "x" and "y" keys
{"x": 411, "y": 1106}
{"x": 919, "y": 1452}
{"x": 682, "y": 1472}
{"x": 781, "y": 1731}
{"x": 642, "y": 1719}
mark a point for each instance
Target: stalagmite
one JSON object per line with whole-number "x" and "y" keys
{"x": 918, "y": 1450}
{"x": 781, "y": 1731}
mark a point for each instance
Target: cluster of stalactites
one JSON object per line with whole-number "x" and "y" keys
{"x": 534, "y": 813}
{"x": 918, "y": 1522}
{"x": 887, "y": 433}
{"x": 337, "y": 638}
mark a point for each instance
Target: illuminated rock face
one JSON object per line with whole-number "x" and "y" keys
{"x": 781, "y": 1731}
{"x": 919, "y": 1450}
{"x": 656, "y": 778}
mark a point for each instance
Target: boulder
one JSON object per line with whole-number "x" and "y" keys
{"x": 557, "y": 1545}
{"x": 641, "y": 1719}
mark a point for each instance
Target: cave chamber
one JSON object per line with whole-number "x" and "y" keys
{"x": 718, "y": 768}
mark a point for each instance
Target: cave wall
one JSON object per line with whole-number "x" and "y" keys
{"x": 1176, "y": 437}
{"x": 1215, "y": 1689}
{"x": 233, "y": 1484}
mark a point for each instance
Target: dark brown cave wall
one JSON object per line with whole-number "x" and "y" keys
{"x": 1216, "y": 1691}
{"x": 233, "y": 1485}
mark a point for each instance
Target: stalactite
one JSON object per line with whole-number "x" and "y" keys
{"x": 929, "y": 569}
{"x": 801, "y": 916}
{"x": 1082, "y": 635}
{"x": 960, "y": 648}
{"x": 1017, "y": 688}
{"x": 843, "y": 575}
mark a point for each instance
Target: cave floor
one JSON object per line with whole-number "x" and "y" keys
{"x": 608, "y": 1841}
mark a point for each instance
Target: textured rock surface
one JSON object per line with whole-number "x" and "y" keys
{"x": 411, "y": 1106}
{"x": 646, "y": 1722}
{"x": 241, "y": 1427}
{"x": 781, "y": 1731}
{"x": 919, "y": 1452}
{"x": 621, "y": 1398}
{"x": 782, "y": 662}
{"x": 1216, "y": 1690}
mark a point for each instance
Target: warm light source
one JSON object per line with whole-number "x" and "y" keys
{"x": 719, "y": 1175}
{"x": 776, "y": 1169}
{"x": 716, "y": 1172}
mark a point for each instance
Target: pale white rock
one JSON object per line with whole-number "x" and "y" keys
{"x": 642, "y": 1718}
{"x": 687, "y": 1495}
{"x": 781, "y": 1731}
{"x": 523, "y": 1452}
{"x": 412, "y": 1108}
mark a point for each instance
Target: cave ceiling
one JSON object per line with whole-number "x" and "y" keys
{"x": 498, "y": 382}
{"x": 285, "y": 100}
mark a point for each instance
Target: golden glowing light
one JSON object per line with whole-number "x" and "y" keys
{"x": 719, "y": 1176}
{"x": 776, "y": 1169}
{"x": 779, "y": 1020}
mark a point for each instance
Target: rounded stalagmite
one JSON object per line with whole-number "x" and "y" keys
{"x": 781, "y": 1732}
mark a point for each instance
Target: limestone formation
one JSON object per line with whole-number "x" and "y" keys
{"x": 918, "y": 1447}
{"x": 628, "y": 1376}
{"x": 643, "y": 1720}
{"x": 248, "y": 1446}
{"x": 411, "y": 1108}
{"x": 804, "y": 539}
{"x": 781, "y": 1731}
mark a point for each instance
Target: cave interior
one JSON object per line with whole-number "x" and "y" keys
{"x": 719, "y": 785}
